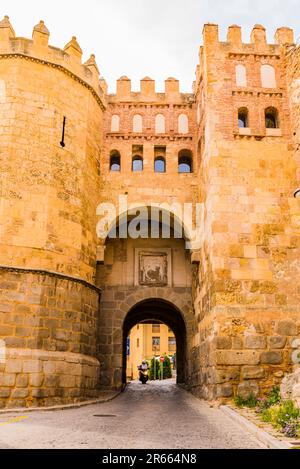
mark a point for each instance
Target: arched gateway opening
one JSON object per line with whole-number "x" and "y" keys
{"x": 156, "y": 310}
{"x": 144, "y": 279}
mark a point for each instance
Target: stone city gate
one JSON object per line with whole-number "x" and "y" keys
{"x": 122, "y": 308}
{"x": 238, "y": 295}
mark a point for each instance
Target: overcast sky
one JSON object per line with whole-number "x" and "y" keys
{"x": 157, "y": 38}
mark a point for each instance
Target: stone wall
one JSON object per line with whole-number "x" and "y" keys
{"x": 48, "y": 322}
{"x": 33, "y": 378}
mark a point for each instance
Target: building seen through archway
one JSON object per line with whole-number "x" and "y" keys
{"x": 150, "y": 341}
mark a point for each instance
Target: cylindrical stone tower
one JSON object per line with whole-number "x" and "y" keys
{"x": 51, "y": 110}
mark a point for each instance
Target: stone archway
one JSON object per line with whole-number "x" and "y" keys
{"x": 158, "y": 310}
{"x": 122, "y": 306}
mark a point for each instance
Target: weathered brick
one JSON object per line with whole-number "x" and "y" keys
{"x": 277, "y": 342}
{"x": 13, "y": 366}
{"x": 247, "y": 389}
{"x": 7, "y": 379}
{"x": 253, "y": 372}
{"x": 19, "y": 393}
{"x": 224, "y": 342}
{"x": 36, "y": 379}
{"x": 287, "y": 327}
{"x": 255, "y": 342}
{"x": 271, "y": 358}
{"x": 22, "y": 381}
{"x": 233, "y": 357}
{"x": 32, "y": 366}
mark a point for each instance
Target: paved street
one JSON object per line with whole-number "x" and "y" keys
{"x": 155, "y": 416}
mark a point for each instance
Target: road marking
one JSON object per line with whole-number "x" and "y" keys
{"x": 15, "y": 420}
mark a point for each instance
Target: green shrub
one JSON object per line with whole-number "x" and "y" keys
{"x": 167, "y": 369}
{"x": 272, "y": 399}
{"x": 250, "y": 401}
{"x": 151, "y": 372}
{"x": 287, "y": 413}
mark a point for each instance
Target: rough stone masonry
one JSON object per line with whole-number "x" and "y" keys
{"x": 67, "y": 145}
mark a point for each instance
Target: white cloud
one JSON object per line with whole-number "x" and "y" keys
{"x": 158, "y": 38}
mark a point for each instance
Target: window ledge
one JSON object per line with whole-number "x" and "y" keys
{"x": 244, "y": 131}
{"x": 273, "y": 133}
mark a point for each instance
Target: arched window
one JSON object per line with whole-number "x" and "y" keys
{"x": 160, "y": 165}
{"x": 185, "y": 162}
{"x": 137, "y": 123}
{"x": 183, "y": 124}
{"x": 115, "y": 161}
{"x": 137, "y": 164}
{"x": 243, "y": 118}
{"x": 241, "y": 75}
{"x": 115, "y": 123}
{"x": 268, "y": 77}
{"x": 160, "y": 125}
{"x": 271, "y": 118}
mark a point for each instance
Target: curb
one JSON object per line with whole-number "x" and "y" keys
{"x": 270, "y": 441}
{"x": 76, "y": 405}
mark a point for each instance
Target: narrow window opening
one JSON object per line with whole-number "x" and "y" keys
{"x": 271, "y": 118}
{"x": 137, "y": 164}
{"x": 243, "y": 118}
{"x": 185, "y": 162}
{"x": 62, "y": 143}
{"x": 115, "y": 161}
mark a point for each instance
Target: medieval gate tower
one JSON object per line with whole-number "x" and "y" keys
{"x": 68, "y": 297}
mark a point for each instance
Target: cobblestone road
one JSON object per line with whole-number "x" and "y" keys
{"x": 155, "y": 416}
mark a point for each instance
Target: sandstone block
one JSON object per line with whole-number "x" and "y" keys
{"x": 4, "y": 393}
{"x": 247, "y": 389}
{"x": 49, "y": 367}
{"x": 225, "y": 390}
{"x": 253, "y": 372}
{"x": 225, "y": 375}
{"x": 13, "y": 366}
{"x": 36, "y": 379}
{"x": 232, "y": 357}
{"x": 277, "y": 342}
{"x": 255, "y": 342}
{"x": 39, "y": 393}
{"x": 22, "y": 381}
{"x": 66, "y": 381}
{"x": 51, "y": 381}
{"x": 7, "y": 380}
{"x": 32, "y": 366}
{"x": 287, "y": 327}
{"x": 6, "y": 330}
{"x": 271, "y": 358}
{"x": 224, "y": 342}
{"x": 20, "y": 393}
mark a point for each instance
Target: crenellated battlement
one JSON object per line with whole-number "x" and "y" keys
{"x": 147, "y": 92}
{"x": 258, "y": 39}
{"x": 68, "y": 60}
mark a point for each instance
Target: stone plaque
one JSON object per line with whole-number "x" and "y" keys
{"x": 153, "y": 268}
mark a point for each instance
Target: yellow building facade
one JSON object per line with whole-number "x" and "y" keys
{"x": 147, "y": 341}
